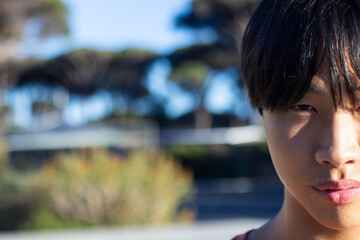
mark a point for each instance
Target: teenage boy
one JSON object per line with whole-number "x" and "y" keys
{"x": 301, "y": 63}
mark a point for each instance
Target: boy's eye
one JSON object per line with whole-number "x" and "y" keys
{"x": 303, "y": 107}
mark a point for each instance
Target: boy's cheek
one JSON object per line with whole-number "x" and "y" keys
{"x": 291, "y": 145}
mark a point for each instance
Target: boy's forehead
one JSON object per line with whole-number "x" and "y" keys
{"x": 323, "y": 72}
{"x": 321, "y": 85}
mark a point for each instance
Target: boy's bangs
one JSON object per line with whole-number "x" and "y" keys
{"x": 281, "y": 46}
{"x": 342, "y": 46}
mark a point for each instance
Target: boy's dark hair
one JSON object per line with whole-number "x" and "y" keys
{"x": 286, "y": 41}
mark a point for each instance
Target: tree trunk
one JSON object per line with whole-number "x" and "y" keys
{"x": 203, "y": 119}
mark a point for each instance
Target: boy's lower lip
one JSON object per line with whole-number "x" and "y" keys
{"x": 340, "y": 196}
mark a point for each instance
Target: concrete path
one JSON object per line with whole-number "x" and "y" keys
{"x": 205, "y": 230}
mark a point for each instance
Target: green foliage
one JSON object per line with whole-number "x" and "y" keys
{"x": 197, "y": 152}
{"x": 16, "y": 199}
{"x": 97, "y": 188}
{"x": 191, "y": 75}
{"x": 48, "y": 16}
{"x": 41, "y": 106}
{"x": 92, "y": 188}
{"x": 139, "y": 53}
{"x": 54, "y": 15}
{"x": 130, "y": 53}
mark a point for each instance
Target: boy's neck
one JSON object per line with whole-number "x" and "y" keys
{"x": 294, "y": 222}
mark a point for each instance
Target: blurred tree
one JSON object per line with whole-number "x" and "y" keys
{"x": 45, "y": 115}
{"x": 227, "y": 19}
{"x": 191, "y": 75}
{"x": 47, "y": 17}
{"x": 18, "y": 19}
{"x": 85, "y": 72}
{"x": 216, "y": 55}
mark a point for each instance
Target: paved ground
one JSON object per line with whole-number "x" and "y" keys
{"x": 205, "y": 230}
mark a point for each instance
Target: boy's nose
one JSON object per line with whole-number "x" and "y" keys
{"x": 339, "y": 140}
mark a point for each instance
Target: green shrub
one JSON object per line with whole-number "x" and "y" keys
{"x": 99, "y": 188}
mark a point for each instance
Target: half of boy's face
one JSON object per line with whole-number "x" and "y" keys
{"x": 315, "y": 149}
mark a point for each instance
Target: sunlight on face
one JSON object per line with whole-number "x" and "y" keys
{"x": 315, "y": 151}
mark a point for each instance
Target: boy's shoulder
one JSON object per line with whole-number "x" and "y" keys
{"x": 242, "y": 236}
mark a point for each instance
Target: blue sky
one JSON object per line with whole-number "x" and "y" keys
{"x": 116, "y": 25}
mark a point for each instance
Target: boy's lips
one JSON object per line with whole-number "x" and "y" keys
{"x": 338, "y": 192}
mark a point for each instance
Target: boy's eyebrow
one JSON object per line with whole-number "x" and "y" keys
{"x": 314, "y": 89}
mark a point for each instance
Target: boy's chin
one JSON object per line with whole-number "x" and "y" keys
{"x": 320, "y": 214}
{"x": 339, "y": 217}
